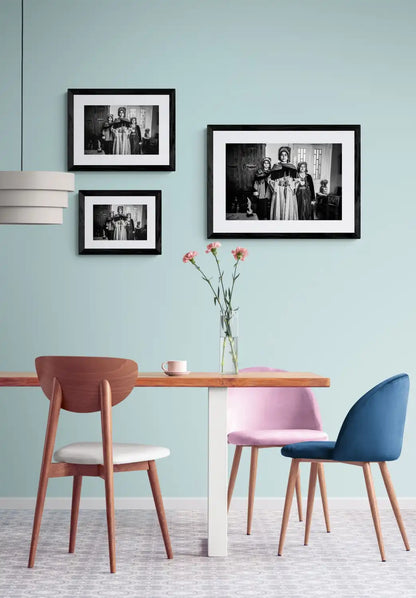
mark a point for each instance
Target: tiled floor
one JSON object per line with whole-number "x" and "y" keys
{"x": 344, "y": 563}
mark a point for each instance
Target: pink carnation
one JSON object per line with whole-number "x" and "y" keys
{"x": 212, "y": 248}
{"x": 240, "y": 253}
{"x": 189, "y": 257}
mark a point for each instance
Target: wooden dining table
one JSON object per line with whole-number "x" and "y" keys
{"x": 217, "y": 385}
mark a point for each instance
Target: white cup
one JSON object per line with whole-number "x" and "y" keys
{"x": 174, "y": 367}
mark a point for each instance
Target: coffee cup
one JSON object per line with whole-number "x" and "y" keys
{"x": 174, "y": 367}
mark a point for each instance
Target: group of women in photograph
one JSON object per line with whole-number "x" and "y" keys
{"x": 284, "y": 191}
{"x": 123, "y": 136}
{"x": 121, "y": 227}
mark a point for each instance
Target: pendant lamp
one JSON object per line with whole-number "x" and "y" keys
{"x": 32, "y": 197}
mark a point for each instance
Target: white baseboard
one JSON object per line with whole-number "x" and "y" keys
{"x": 197, "y": 503}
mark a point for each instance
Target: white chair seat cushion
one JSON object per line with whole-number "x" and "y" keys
{"x": 91, "y": 453}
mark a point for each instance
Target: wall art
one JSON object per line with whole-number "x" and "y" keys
{"x": 121, "y": 129}
{"x": 292, "y": 181}
{"x": 120, "y": 222}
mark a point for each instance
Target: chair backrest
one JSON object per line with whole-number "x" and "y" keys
{"x": 374, "y": 426}
{"x": 272, "y": 408}
{"x": 80, "y": 378}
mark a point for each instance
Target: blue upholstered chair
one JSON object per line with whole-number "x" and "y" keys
{"x": 371, "y": 432}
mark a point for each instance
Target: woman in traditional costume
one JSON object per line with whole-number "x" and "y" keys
{"x": 135, "y": 137}
{"x": 129, "y": 227}
{"x": 282, "y": 182}
{"x": 107, "y": 135}
{"x": 121, "y": 130}
{"x": 120, "y": 232}
{"x": 305, "y": 192}
{"x": 262, "y": 190}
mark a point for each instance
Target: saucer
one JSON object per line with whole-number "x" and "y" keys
{"x": 177, "y": 373}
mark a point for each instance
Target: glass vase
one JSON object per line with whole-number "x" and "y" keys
{"x": 229, "y": 343}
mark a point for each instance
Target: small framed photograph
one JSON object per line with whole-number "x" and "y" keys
{"x": 120, "y": 222}
{"x": 121, "y": 129}
{"x": 288, "y": 181}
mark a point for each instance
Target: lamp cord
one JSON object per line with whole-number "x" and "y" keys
{"x": 21, "y": 97}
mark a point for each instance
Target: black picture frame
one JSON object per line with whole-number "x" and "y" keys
{"x": 157, "y": 151}
{"x": 228, "y": 157}
{"x": 92, "y": 241}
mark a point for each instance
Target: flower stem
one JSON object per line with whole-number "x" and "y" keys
{"x": 217, "y": 297}
{"x": 228, "y": 337}
{"x": 220, "y": 278}
{"x": 223, "y": 354}
{"x": 234, "y": 279}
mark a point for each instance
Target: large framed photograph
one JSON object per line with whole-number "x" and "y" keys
{"x": 121, "y": 129}
{"x": 290, "y": 181}
{"x": 120, "y": 222}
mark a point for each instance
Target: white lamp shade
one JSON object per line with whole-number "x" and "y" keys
{"x": 34, "y": 197}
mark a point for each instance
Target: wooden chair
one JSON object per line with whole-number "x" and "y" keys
{"x": 85, "y": 385}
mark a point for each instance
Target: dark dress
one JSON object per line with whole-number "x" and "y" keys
{"x": 130, "y": 229}
{"x": 305, "y": 194}
{"x": 109, "y": 227}
{"x": 135, "y": 139}
{"x": 263, "y": 199}
{"x": 107, "y": 138}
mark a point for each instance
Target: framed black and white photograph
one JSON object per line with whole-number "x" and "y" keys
{"x": 121, "y": 129}
{"x": 289, "y": 181}
{"x": 120, "y": 222}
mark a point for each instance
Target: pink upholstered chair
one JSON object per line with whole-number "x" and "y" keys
{"x": 272, "y": 417}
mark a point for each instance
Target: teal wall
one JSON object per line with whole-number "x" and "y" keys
{"x": 342, "y": 308}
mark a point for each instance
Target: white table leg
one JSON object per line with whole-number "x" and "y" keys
{"x": 217, "y": 471}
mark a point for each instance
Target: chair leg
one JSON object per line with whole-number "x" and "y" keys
{"x": 40, "y": 502}
{"x": 233, "y": 474}
{"x": 311, "y": 497}
{"x": 53, "y": 416}
{"x": 252, "y": 486}
{"x": 106, "y": 427}
{"x": 76, "y": 495}
{"x": 393, "y": 500}
{"x": 157, "y": 497}
{"x": 299, "y": 497}
{"x": 324, "y": 498}
{"x": 294, "y": 468}
{"x": 111, "y": 528}
{"x": 374, "y": 508}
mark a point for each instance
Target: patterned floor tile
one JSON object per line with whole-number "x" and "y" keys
{"x": 345, "y": 563}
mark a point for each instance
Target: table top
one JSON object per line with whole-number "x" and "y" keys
{"x": 196, "y": 379}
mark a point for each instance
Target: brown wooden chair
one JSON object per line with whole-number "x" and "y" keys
{"x": 85, "y": 385}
